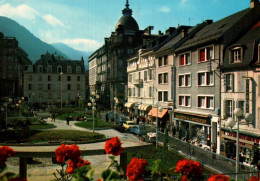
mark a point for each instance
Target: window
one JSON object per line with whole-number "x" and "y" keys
{"x": 30, "y": 86}
{"x": 235, "y": 55}
{"x": 78, "y": 86}
{"x": 229, "y": 108}
{"x": 163, "y": 78}
{"x": 241, "y": 105}
{"x": 49, "y": 78}
{"x": 139, "y": 92}
{"x": 40, "y": 69}
{"x": 165, "y": 60}
{"x": 68, "y": 87}
{"x": 49, "y": 86}
{"x": 78, "y": 69}
{"x": 205, "y": 78}
{"x": 150, "y": 74}
{"x": 185, "y": 80}
{"x": 68, "y": 78}
{"x": 159, "y": 96}
{"x": 59, "y": 69}
{"x": 205, "y": 54}
{"x": 184, "y": 101}
{"x": 150, "y": 91}
{"x": 39, "y": 77}
{"x": 69, "y": 69}
{"x": 206, "y": 102}
{"x": 49, "y": 69}
{"x": 160, "y": 62}
{"x": 134, "y": 91}
{"x": 129, "y": 77}
{"x": 130, "y": 51}
{"x": 30, "y": 77}
{"x": 130, "y": 39}
{"x": 165, "y": 96}
{"x": 229, "y": 82}
{"x": 78, "y": 78}
{"x": 59, "y": 78}
{"x": 185, "y": 59}
{"x": 145, "y": 75}
{"x": 40, "y": 86}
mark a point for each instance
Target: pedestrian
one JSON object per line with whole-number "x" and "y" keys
{"x": 137, "y": 120}
{"x": 186, "y": 135}
{"x": 131, "y": 118}
{"x": 173, "y": 131}
{"x": 68, "y": 120}
{"x": 143, "y": 120}
{"x": 213, "y": 149}
{"x": 107, "y": 118}
{"x": 53, "y": 117}
{"x": 179, "y": 133}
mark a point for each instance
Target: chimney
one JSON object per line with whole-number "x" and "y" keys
{"x": 184, "y": 32}
{"x": 170, "y": 30}
{"x": 254, "y": 3}
{"x": 160, "y": 32}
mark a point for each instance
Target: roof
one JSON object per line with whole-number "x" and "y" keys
{"x": 248, "y": 42}
{"x": 215, "y": 30}
{"x": 128, "y": 23}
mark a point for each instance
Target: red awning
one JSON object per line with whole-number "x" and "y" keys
{"x": 153, "y": 112}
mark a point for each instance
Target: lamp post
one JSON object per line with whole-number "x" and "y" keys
{"x": 231, "y": 123}
{"x": 61, "y": 89}
{"x": 93, "y": 104}
{"x": 157, "y": 110}
{"x": 116, "y": 102}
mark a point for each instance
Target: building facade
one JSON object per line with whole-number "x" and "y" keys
{"x": 54, "y": 80}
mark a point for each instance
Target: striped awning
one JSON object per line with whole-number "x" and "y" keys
{"x": 144, "y": 107}
{"x": 129, "y": 104}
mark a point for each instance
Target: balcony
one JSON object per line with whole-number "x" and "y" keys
{"x": 138, "y": 82}
{"x": 132, "y": 68}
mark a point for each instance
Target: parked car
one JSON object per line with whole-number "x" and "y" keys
{"x": 128, "y": 124}
{"x": 121, "y": 119}
{"x": 110, "y": 115}
{"x": 137, "y": 129}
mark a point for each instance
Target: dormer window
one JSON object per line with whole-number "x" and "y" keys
{"x": 59, "y": 69}
{"x": 69, "y": 69}
{"x": 236, "y": 55}
{"x": 49, "y": 68}
{"x": 40, "y": 69}
{"x": 78, "y": 69}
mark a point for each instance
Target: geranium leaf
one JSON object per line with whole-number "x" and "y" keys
{"x": 105, "y": 174}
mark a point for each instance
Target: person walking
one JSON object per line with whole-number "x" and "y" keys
{"x": 173, "y": 131}
{"x": 137, "y": 120}
{"x": 107, "y": 118}
{"x": 68, "y": 120}
{"x": 53, "y": 117}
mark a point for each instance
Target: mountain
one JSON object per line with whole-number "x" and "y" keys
{"x": 72, "y": 53}
{"x": 26, "y": 40}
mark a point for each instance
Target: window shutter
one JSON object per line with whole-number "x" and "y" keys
{"x": 233, "y": 82}
{"x": 179, "y": 80}
{"x": 199, "y": 105}
{"x": 202, "y": 55}
{"x": 199, "y": 82}
{"x": 224, "y": 109}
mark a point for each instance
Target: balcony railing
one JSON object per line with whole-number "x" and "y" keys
{"x": 138, "y": 82}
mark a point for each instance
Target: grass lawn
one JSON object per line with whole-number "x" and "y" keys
{"x": 48, "y": 135}
{"x": 89, "y": 124}
{"x": 74, "y": 115}
{"x": 42, "y": 126}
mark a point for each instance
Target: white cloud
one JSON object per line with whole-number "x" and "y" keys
{"x": 83, "y": 44}
{"x": 52, "y": 20}
{"x": 184, "y": 1}
{"x": 165, "y": 9}
{"x": 22, "y": 11}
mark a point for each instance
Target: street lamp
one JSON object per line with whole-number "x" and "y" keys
{"x": 61, "y": 89}
{"x": 116, "y": 102}
{"x": 157, "y": 109}
{"x": 231, "y": 123}
{"x": 93, "y": 104}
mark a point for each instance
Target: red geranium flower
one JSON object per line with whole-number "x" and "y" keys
{"x": 61, "y": 153}
{"x": 5, "y": 152}
{"x": 74, "y": 164}
{"x": 17, "y": 179}
{"x": 113, "y": 146}
{"x": 136, "y": 168}
{"x": 73, "y": 152}
{"x": 253, "y": 178}
{"x": 189, "y": 168}
{"x": 219, "y": 177}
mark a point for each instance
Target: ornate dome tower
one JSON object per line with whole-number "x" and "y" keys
{"x": 127, "y": 21}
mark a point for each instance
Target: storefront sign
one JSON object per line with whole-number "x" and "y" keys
{"x": 193, "y": 118}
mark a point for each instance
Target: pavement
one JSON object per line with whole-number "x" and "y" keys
{"x": 45, "y": 171}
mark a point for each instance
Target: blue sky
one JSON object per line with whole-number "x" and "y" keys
{"x": 83, "y": 24}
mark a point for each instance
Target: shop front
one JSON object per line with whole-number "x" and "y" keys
{"x": 144, "y": 109}
{"x": 129, "y": 106}
{"x": 163, "y": 117}
{"x": 195, "y": 128}
{"x": 248, "y": 145}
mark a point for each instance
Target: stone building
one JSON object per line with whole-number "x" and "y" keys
{"x": 55, "y": 80}
{"x": 13, "y": 61}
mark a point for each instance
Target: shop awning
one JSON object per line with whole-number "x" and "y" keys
{"x": 153, "y": 112}
{"x": 129, "y": 104}
{"x": 144, "y": 107}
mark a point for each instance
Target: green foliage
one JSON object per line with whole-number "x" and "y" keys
{"x": 74, "y": 115}
{"x": 99, "y": 124}
{"x": 83, "y": 173}
{"x": 109, "y": 175}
